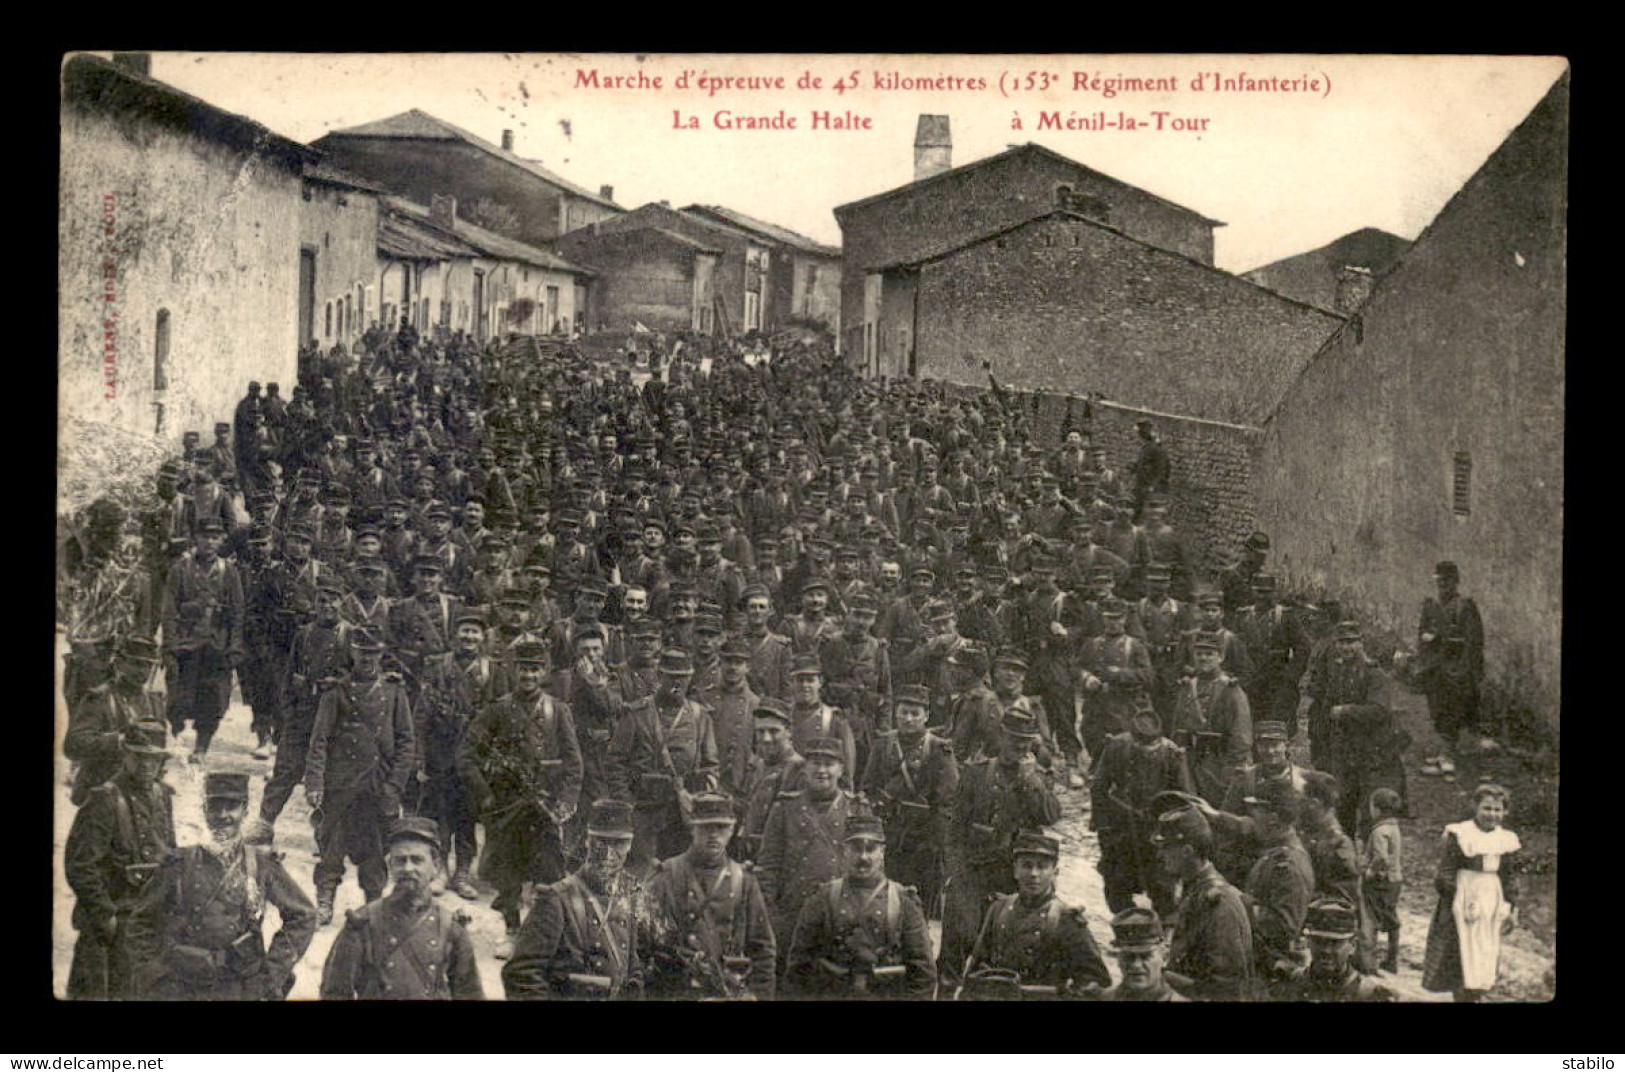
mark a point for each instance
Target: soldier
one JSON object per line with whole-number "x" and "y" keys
{"x": 114, "y": 847}
{"x": 1212, "y": 721}
{"x": 1135, "y": 768}
{"x": 812, "y": 719}
{"x": 976, "y": 712}
{"x": 1117, "y": 670}
{"x": 596, "y": 698}
{"x": 521, "y": 767}
{"x": 1331, "y": 925}
{"x": 1210, "y": 955}
{"x": 203, "y": 636}
{"x": 710, "y": 931}
{"x": 98, "y": 724}
{"x": 858, "y": 667}
{"x": 421, "y": 627}
{"x": 363, "y": 752}
{"x": 770, "y": 652}
{"x": 1281, "y": 882}
{"x": 1151, "y": 470}
{"x": 581, "y": 939}
{"x": 319, "y": 659}
{"x": 997, "y": 797}
{"x": 776, "y": 767}
{"x": 1279, "y": 648}
{"x": 638, "y": 677}
{"x": 410, "y": 946}
{"x": 196, "y": 931}
{"x": 912, "y": 776}
{"x": 808, "y": 630}
{"x": 733, "y": 706}
{"x": 1235, "y": 659}
{"x": 800, "y": 848}
{"x": 1351, "y": 727}
{"x": 862, "y": 935}
{"x": 1271, "y": 763}
{"x": 1166, "y": 620}
{"x": 1032, "y": 945}
{"x": 663, "y": 751}
{"x": 1137, "y": 945}
{"x": 1450, "y": 665}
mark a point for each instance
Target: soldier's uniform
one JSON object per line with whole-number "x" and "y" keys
{"x": 763, "y": 783}
{"x": 1279, "y": 888}
{"x": 1213, "y": 722}
{"x": 1210, "y": 956}
{"x": 577, "y": 943}
{"x": 974, "y": 720}
{"x": 422, "y": 627}
{"x": 320, "y": 657}
{"x": 1134, "y": 768}
{"x": 808, "y": 724}
{"x": 1333, "y": 920}
{"x": 863, "y": 941}
{"x": 363, "y": 752}
{"x": 1450, "y": 665}
{"x": 391, "y": 950}
{"x": 202, "y": 630}
{"x": 1122, "y": 665}
{"x": 711, "y": 934}
{"x": 196, "y": 931}
{"x": 656, "y": 751}
{"x": 912, "y": 780}
{"x": 1279, "y": 647}
{"x": 733, "y": 722}
{"x": 801, "y": 848}
{"x": 1039, "y": 947}
{"x": 1165, "y": 620}
{"x": 770, "y": 656}
{"x": 116, "y": 843}
{"x": 520, "y": 760}
{"x": 993, "y": 803}
{"x": 1360, "y": 741}
{"x": 1139, "y": 930}
{"x": 98, "y": 723}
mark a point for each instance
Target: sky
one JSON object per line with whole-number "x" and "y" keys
{"x": 1344, "y": 142}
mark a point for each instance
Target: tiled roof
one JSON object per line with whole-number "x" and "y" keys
{"x": 323, "y": 172}
{"x": 771, "y": 231}
{"x": 420, "y": 125}
{"x": 467, "y": 239}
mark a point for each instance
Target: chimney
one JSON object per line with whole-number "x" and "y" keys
{"x": 507, "y": 141}
{"x": 139, "y": 62}
{"x": 1353, "y": 288}
{"x": 607, "y": 192}
{"x": 933, "y": 148}
{"x": 443, "y": 211}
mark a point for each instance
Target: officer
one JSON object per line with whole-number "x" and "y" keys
{"x": 709, "y": 924}
{"x": 861, "y": 935}
{"x": 1135, "y": 768}
{"x": 1210, "y": 955}
{"x": 663, "y": 751}
{"x": 197, "y": 930}
{"x": 363, "y": 751}
{"x": 582, "y": 937}
{"x": 98, "y": 723}
{"x": 912, "y": 778}
{"x": 411, "y": 945}
{"x": 521, "y": 765}
{"x": 800, "y": 848}
{"x": 1137, "y": 945}
{"x": 1330, "y": 926}
{"x": 1032, "y": 944}
{"x": 114, "y": 847}
{"x": 997, "y": 797}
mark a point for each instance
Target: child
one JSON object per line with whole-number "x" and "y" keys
{"x": 1383, "y": 871}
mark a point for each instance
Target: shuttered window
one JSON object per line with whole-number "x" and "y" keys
{"x": 1461, "y": 486}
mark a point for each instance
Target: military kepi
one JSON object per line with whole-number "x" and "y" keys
{"x": 225, "y": 785}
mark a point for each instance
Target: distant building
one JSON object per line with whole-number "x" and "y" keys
{"x": 1062, "y": 302}
{"x": 804, "y": 277}
{"x": 1431, "y": 425}
{"x": 945, "y": 206}
{"x": 179, "y": 251}
{"x": 338, "y": 239}
{"x": 743, "y": 265}
{"x": 1337, "y": 276}
{"x": 419, "y": 156}
{"x": 651, "y": 276}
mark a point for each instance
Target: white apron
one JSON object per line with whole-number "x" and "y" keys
{"x": 1480, "y": 907}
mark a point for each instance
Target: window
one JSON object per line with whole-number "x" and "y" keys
{"x": 327, "y": 332}
{"x": 1461, "y": 487}
{"x": 160, "y": 354}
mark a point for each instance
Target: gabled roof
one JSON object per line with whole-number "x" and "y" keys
{"x": 591, "y": 232}
{"x": 771, "y": 231}
{"x": 405, "y": 237}
{"x": 327, "y": 175}
{"x": 1029, "y": 147}
{"x": 92, "y": 82}
{"x": 469, "y": 240}
{"x": 421, "y": 126}
{"x": 948, "y": 251}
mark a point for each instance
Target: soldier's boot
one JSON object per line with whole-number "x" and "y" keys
{"x": 262, "y": 750}
{"x": 462, "y": 886}
{"x": 504, "y": 946}
{"x": 324, "y": 906}
{"x": 201, "y": 748}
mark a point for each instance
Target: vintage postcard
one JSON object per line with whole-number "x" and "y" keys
{"x": 995, "y": 527}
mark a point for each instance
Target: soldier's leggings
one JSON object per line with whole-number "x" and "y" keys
{"x": 1058, "y": 709}
{"x": 1128, "y": 865}
{"x": 291, "y": 751}
{"x": 352, "y": 828}
{"x": 445, "y": 800}
{"x": 202, "y": 692}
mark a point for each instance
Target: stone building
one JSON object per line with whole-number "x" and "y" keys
{"x": 178, "y": 256}
{"x": 1060, "y": 301}
{"x": 1430, "y": 426}
{"x": 338, "y": 238}
{"x": 804, "y": 275}
{"x": 1337, "y": 276}
{"x": 652, "y": 276}
{"x": 419, "y": 156}
{"x": 945, "y": 207}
